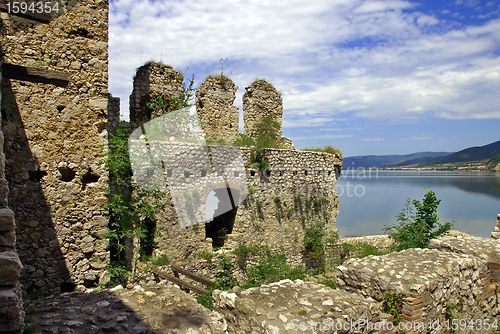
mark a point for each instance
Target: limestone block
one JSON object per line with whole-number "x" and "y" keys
{"x": 8, "y": 238}
{"x": 11, "y": 268}
{"x": 7, "y": 221}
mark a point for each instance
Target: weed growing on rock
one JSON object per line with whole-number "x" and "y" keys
{"x": 418, "y": 224}
{"x": 272, "y": 268}
{"x": 393, "y": 304}
{"x": 224, "y": 281}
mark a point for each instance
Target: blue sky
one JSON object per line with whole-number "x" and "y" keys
{"x": 368, "y": 77}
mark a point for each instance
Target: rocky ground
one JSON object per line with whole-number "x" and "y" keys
{"x": 144, "y": 309}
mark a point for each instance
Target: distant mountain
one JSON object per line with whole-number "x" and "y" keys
{"x": 381, "y": 161}
{"x": 477, "y": 153}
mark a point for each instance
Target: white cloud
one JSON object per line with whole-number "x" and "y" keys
{"x": 417, "y": 109}
{"x": 373, "y": 139}
{"x": 373, "y": 59}
{"x": 427, "y": 20}
{"x": 417, "y": 138}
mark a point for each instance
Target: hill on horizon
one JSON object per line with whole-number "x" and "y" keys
{"x": 476, "y": 153}
{"x": 395, "y": 160}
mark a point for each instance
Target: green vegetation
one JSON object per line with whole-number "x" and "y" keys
{"x": 223, "y": 281}
{"x": 326, "y": 149}
{"x": 418, "y": 225}
{"x": 272, "y": 268}
{"x": 453, "y": 310}
{"x": 161, "y": 104}
{"x": 393, "y": 305}
{"x": 132, "y": 211}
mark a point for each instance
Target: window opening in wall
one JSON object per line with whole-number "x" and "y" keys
{"x": 294, "y": 173}
{"x": 329, "y": 172}
{"x": 252, "y": 173}
{"x": 219, "y": 173}
{"x": 169, "y": 173}
{"x": 203, "y": 173}
{"x": 319, "y": 173}
{"x": 305, "y": 172}
{"x": 67, "y": 174}
{"x": 186, "y": 175}
{"x": 236, "y": 174}
{"x": 281, "y": 173}
{"x": 89, "y": 177}
{"x": 220, "y": 214}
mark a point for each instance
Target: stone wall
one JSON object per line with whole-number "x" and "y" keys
{"x": 152, "y": 77}
{"x": 261, "y": 100}
{"x": 214, "y": 105}
{"x": 52, "y": 148}
{"x": 11, "y": 313}
{"x": 291, "y": 307}
{"x": 436, "y": 283}
{"x": 299, "y": 190}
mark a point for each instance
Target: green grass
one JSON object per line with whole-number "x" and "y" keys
{"x": 326, "y": 149}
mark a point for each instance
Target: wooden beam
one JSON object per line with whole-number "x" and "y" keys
{"x": 189, "y": 274}
{"x": 35, "y": 74}
{"x": 180, "y": 282}
{"x": 38, "y": 17}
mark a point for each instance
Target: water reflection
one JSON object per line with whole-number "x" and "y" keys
{"x": 470, "y": 199}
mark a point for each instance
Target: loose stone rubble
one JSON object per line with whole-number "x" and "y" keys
{"x": 287, "y": 306}
{"x": 143, "y": 309}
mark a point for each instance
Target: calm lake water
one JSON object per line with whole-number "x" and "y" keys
{"x": 368, "y": 201}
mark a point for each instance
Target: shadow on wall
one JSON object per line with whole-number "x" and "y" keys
{"x": 39, "y": 249}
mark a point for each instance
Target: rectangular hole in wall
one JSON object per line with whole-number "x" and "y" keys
{"x": 187, "y": 174}
{"x": 305, "y": 172}
{"x": 236, "y": 174}
{"x": 169, "y": 173}
{"x": 252, "y": 173}
{"x": 319, "y": 173}
{"x": 329, "y": 172}
{"x": 219, "y": 173}
{"x": 294, "y": 173}
{"x": 203, "y": 173}
{"x": 281, "y": 173}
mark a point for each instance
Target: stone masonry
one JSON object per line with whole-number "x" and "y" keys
{"x": 278, "y": 204}
{"x": 435, "y": 283}
{"x": 53, "y": 148}
{"x": 261, "y": 100}
{"x": 152, "y": 77}
{"x": 291, "y": 307}
{"x": 11, "y": 313}
{"x": 214, "y": 105}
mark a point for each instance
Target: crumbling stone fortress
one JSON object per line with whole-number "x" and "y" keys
{"x": 56, "y": 115}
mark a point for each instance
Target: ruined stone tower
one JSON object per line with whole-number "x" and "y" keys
{"x": 152, "y": 77}
{"x": 214, "y": 105}
{"x": 261, "y": 100}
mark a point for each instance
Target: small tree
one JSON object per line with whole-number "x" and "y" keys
{"x": 418, "y": 224}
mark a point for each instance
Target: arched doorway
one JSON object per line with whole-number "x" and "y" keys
{"x": 221, "y": 213}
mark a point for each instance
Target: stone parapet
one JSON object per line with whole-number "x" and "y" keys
{"x": 443, "y": 281}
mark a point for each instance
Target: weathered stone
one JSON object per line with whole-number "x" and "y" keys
{"x": 8, "y": 239}
{"x": 7, "y": 220}
{"x": 11, "y": 268}
{"x": 261, "y": 100}
{"x": 214, "y": 105}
